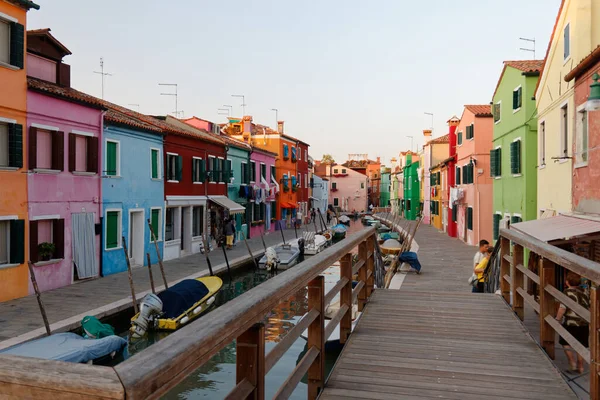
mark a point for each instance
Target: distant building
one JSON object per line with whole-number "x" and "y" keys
{"x": 347, "y": 188}
{"x": 385, "y": 187}
{"x": 434, "y": 151}
{"x": 320, "y": 193}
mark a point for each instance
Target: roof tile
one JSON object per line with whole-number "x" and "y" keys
{"x": 480, "y": 110}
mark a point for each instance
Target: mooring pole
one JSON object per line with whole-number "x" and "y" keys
{"x": 206, "y": 249}
{"x": 281, "y": 230}
{"x": 135, "y": 306}
{"x": 160, "y": 263}
{"x": 250, "y": 252}
{"x": 150, "y": 273}
{"x": 227, "y": 263}
{"x": 262, "y": 238}
{"x": 39, "y": 297}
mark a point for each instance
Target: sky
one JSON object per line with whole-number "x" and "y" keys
{"x": 346, "y": 76}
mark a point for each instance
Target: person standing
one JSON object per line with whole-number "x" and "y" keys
{"x": 574, "y": 323}
{"x": 479, "y": 271}
{"x": 229, "y": 231}
{"x": 480, "y": 255}
{"x": 313, "y": 215}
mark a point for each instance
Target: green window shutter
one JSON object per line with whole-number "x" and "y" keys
{"x": 202, "y": 170}
{"x": 15, "y": 145}
{"x": 229, "y": 171}
{"x": 515, "y": 219}
{"x": 454, "y": 213}
{"x": 112, "y": 229}
{"x": 465, "y": 177}
{"x": 499, "y": 162}
{"x": 472, "y": 131}
{"x": 178, "y": 168}
{"x": 470, "y": 218}
{"x": 515, "y": 157}
{"x": 471, "y": 176}
{"x": 195, "y": 163}
{"x": 520, "y": 96}
{"x": 111, "y": 158}
{"x": 515, "y": 99}
{"x": 493, "y": 157}
{"x": 459, "y": 138}
{"x": 17, "y": 44}
{"x": 154, "y": 154}
{"x": 496, "y": 226}
{"x": 458, "y": 175}
{"x": 17, "y": 241}
{"x": 154, "y": 221}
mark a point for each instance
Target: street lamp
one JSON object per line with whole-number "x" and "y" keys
{"x": 593, "y": 103}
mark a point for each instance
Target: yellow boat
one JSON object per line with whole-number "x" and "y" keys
{"x": 176, "y": 306}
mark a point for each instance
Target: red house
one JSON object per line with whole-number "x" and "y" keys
{"x": 196, "y": 176}
{"x": 303, "y": 179}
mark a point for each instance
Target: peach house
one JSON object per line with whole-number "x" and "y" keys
{"x": 14, "y": 274}
{"x": 63, "y": 182}
{"x": 348, "y": 189}
{"x": 472, "y": 209}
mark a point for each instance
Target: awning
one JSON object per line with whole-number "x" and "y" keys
{"x": 559, "y": 227}
{"x": 232, "y": 206}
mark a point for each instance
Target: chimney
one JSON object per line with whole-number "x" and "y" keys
{"x": 280, "y": 127}
{"x": 452, "y": 125}
{"x": 378, "y": 160}
{"x": 246, "y": 128}
{"x": 427, "y": 134}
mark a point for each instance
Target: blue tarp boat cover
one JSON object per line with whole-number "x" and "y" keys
{"x": 340, "y": 228}
{"x": 68, "y": 347}
{"x": 179, "y": 298}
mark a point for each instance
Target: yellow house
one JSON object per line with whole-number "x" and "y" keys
{"x": 573, "y": 38}
{"x": 437, "y": 182}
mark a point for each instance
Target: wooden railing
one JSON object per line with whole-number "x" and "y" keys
{"x": 515, "y": 293}
{"x": 156, "y": 370}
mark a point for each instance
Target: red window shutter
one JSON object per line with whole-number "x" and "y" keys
{"x": 32, "y": 148}
{"x": 58, "y": 151}
{"x": 33, "y": 241}
{"x": 58, "y": 234}
{"x": 72, "y": 151}
{"x": 92, "y": 159}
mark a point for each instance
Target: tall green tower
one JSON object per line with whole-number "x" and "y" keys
{"x": 412, "y": 192}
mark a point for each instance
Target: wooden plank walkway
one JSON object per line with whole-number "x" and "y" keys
{"x": 432, "y": 339}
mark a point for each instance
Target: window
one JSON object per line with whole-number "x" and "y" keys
{"x": 294, "y": 154}
{"x": 305, "y": 180}
{"x": 542, "y": 143}
{"x": 581, "y": 156}
{"x": 258, "y": 213}
{"x": 517, "y": 98}
{"x": 156, "y": 222}
{"x": 515, "y": 157}
{"x": 286, "y": 152}
{"x": 497, "y": 112}
{"x": 83, "y": 153}
{"x": 245, "y": 174}
{"x": 252, "y": 171}
{"x": 46, "y": 231}
{"x": 567, "y": 42}
{"x": 335, "y": 170}
{"x": 459, "y": 140}
{"x": 174, "y": 167}
{"x": 228, "y": 174}
{"x": 306, "y": 155}
{"x": 299, "y": 180}
{"x": 113, "y": 158}
{"x": 155, "y": 163}
{"x": 467, "y": 174}
{"x": 46, "y": 149}
{"x": 11, "y": 145}
{"x": 112, "y": 229}
{"x": 336, "y": 202}
{"x": 263, "y": 172}
{"x": 273, "y": 210}
{"x": 299, "y": 152}
{"x": 496, "y": 162}
{"x": 213, "y": 168}
{"x": 470, "y": 131}
{"x": 470, "y": 218}
{"x": 496, "y": 226}
{"x": 222, "y": 170}
{"x": 170, "y": 224}
{"x": 333, "y": 185}
{"x": 362, "y": 185}
{"x": 273, "y": 174}
{"x": 197, "y": 221}
{"x": 12, "y": 43}
{"x": 564, "y": 131}
{"x": 198, "y": 170}
{"x": 454, "y": 213}
{"x": 12, "y": 239}
{"x": 343, "y": 170}
{"x": 458, "y": 175}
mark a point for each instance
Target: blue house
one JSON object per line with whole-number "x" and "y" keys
{"x": 132, "y": 189}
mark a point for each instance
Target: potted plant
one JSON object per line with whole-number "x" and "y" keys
{"x": 46, "y": 251}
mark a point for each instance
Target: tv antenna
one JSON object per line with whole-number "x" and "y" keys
{"x": 532, "y": 41}
{"x": 103, "y": 74}
{"x": 171, "y": 94}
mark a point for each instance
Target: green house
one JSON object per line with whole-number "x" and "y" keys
{"x": 412, "y": 192}
{"x": 513, "y": 156}
{"x": 238, "y": 156}
{"x": 384, "y": 187}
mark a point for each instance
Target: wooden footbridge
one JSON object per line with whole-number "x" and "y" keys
{"x": 431, "y": 339}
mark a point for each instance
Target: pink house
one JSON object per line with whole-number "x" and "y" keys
{"x": 348, "y": 189}
{"x": 63, "y": 180}
{"x": 474, "y": 202}
{"x": 266, "y": 179}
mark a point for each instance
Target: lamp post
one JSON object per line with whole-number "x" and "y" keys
{"x": 593, "y": 103}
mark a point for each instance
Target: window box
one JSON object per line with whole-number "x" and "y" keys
{"x": 48, "y": 262}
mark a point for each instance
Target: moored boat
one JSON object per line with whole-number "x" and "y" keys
{"x": 339, "y": 231}
{"x": 286, "y": 257}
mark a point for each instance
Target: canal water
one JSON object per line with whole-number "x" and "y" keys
{"x": 216, "y": 378}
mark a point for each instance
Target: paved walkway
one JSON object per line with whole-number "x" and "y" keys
{"x": 66, "y": 306}
{"x": 433, "y": 339}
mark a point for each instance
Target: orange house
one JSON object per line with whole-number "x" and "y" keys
{"x": 286, "y": 162}
{"x": 14, "y": 236}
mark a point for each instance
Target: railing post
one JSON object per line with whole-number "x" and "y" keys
{"x": 346, "y": 296}
{"x": 362, "y": 275}
{"x": 594, "y": 342}
{"x": 517, "y": 280}
{"x": 547, "y": 334}
{"x": 505, "y": 269}
{"x": 316, "y": 333}
{"x": 250, "y": 360}
{"x": 371, "y": 264}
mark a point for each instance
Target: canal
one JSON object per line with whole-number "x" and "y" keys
{"x": 216, "y": 378}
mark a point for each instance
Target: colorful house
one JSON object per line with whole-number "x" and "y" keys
{"x": 451, "y": 173}
{"x": 348, "y": 189}
{"x": 385, "y": 187}
{"x": 132, "y": 189}
{"x": 263, "y": 208}
{"x": 586, "y": 196}
{"x": 395, "y": 198}
{"x": 412, "y": 192}
{"x": 303, "y": 195}
{"x": 14, "y": 230}
{"x": 436, "y": 206}
{"x": 514, "y": 151}
{"x": 320, "y": 193}
{"x": 63, "y": 184}
{"x": 475, "y": 201}
{"x": 573, "y": 38}
{"x": 434, "y": 151}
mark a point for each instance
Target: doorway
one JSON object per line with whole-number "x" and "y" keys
{"x": 136, "y": 237}
{"x": 84, "y": 245}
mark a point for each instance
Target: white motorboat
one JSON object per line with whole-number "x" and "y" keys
{"x": 280, "y": 257}
{"x": 314, "y": 243}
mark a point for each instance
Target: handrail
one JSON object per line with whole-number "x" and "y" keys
{"x": 154, "y": 371}
{"x": 512, "y": 285}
